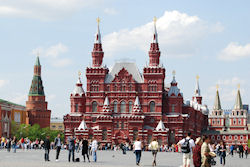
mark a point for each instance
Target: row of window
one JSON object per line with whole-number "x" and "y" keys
{"x": 123, "y": 87}
{"x": 238, "y": 113}
{"x": 230, "y": 137}
{"x": 123, "y": 106}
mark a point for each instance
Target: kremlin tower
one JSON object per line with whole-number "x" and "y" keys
{"x": 36, "y": 105}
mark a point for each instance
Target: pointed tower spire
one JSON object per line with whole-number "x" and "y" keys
{"x": 238, "y": 102}
{"x": 97, "y": 53}
{"x": 37, "y": 85}
{"x": 197, "y": 92}
{"x": 197, "y": 87}
{"x": 217, "y": 104}
{"x": 98, "y": 34}
{"x": 154, "y": 52}
{"x": 160, "y": 126}
{"x": 155, "y": 37}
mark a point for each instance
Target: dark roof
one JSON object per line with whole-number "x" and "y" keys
{"x": 8, "y": 102}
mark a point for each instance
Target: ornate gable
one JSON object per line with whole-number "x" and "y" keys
{"x": 123, "y": 76}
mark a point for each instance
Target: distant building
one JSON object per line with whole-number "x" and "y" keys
{"x": 11, "y": 112}
{"x": 56, "y": 124}
{"x": 123, "y": 104}
{"x": 36, "y": 105}
{"x": 229, "y": 125}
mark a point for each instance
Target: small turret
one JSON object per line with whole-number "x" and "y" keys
{"x": 137, "y": 105}
{"x": 217, "y": 104}
{"x": 238, "y": 102}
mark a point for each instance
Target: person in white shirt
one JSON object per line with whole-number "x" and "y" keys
{"x": 137, "y": 148}
{"x": 94, "y": 147}
{"x": 187, "y": 145}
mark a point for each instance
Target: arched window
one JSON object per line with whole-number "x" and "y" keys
{"x": 173, "y": 108}
{"x": 122, "y": 125}
{"x": 241, "y": 112}
{"x": 152, "y": 106}
{"x": 237, "y": 112}
{"x": 115, "y": 106}
{"x": 130, "y": 106}
{"x": 123, "y": 106}
{"x": 76, "y": 107}
{"x": 104, "y": 134}
{"x": 94, "y": 106}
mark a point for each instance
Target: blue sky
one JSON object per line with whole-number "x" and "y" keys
{"x": 208, "y": 38}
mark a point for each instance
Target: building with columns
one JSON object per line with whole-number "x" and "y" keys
{"x": 231, "y": 126}
{"x": 36, "y": 105}
{"x": 11, "y": 112}
{"x": 123, "y": 103}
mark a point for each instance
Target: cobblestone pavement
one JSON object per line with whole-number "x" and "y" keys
{"x": 35, "y": 158}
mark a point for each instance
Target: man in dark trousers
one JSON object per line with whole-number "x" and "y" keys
{"x": 85, "y": 147}
{"x": 57, "y": 145}
{"x": 241, "y": 151}
{"x": 71, "y": 147}
{"x": 47, "y": 148}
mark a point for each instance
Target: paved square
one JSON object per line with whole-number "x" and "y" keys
{"x": 35, "y": 158}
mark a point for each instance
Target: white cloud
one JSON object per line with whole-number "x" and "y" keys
{"x": 44, "y": 9}
{"x": 110, "y": 11}
{"x": 54, "y": 54}
{"x": 178, "y": 33}
{"x": 3, "y": 82}
{"x": 234, "y": 51}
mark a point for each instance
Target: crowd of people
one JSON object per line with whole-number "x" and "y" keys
{"x": 202, "y": 151}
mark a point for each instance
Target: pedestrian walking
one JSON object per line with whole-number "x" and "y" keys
{"x": 85, "y": 149}
{"x": 232, "y": 150}
{"x": 14, "y": 143}
{"x": 241, "y": 151}
{"x": 197, "y": 152}
{"x": 205, "y": 150}
{"x": 58, "y": 145}
{"x": 123, "y": 147}
{"x": 71, "y": 148}
{"x": 137, "y": 150}
{"x": 47, "y": 148}
{"x": 222, "y": 153}
{"x": 154, "y": 147}
{"x": 8, "y": 145}
{"x": 186, "y": 145}
{"x": 246, "y": 151}
{"x": 94, "y": 147}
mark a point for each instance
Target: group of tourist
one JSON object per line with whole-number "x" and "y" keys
{"x": 203, "y": 151}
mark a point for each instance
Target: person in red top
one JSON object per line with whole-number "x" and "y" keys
{"x": 197, "y": 152}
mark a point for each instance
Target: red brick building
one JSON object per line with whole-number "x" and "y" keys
{"x": 36, "y": 105}
{"x": 231, "y": 126}
{"x": 122, "y": 104}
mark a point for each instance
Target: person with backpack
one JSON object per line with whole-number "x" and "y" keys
{"x": 187, "y": 145}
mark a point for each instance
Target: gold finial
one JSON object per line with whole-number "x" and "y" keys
{"x": 173, "y": 72}
{"x": 98, "y": 20}
{"x": 79, "y": 73}
{"x": 197, "y": 77}
{"x": 155, "y": 19}
{"x": 238, "y": 86}
{"x": 217, "y": 87}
